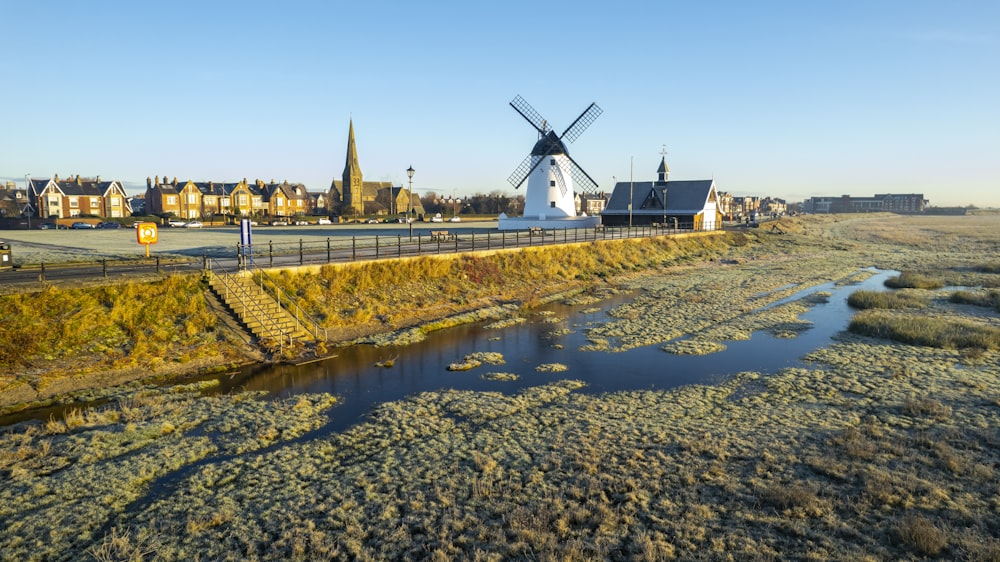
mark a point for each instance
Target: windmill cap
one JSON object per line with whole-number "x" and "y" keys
{"x": 549, "y": 144}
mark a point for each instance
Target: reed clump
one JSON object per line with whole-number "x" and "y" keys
{"x": 886, "y": 300}
{"x": 949, "y": 333}
{"x": 989, "y": 298}
{"x": 913, "y": 280}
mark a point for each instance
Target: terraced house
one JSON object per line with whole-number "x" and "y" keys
{"x": 286, "y": 199}
{"x": 203, "y": 200}
{"x": 75, "y": 197}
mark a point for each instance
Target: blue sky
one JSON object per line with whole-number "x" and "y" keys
{"x": 787, "y": 99}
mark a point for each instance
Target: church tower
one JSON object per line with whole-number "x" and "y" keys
{"x": 352, "y": 192}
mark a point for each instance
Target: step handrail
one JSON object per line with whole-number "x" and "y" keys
{"x": 302, "y": 318}
{"x": 251, "y": 305}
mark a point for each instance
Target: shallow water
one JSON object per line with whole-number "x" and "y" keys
{"x": 361, "y": 385}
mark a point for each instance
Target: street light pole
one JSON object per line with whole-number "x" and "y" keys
{"x": 27, "y": 195}
{"x": 409, "y": 199}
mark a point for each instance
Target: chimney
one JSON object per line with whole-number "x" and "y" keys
{"x": 149, "y": 182}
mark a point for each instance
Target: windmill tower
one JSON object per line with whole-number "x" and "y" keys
{"x": 551, "y": 174}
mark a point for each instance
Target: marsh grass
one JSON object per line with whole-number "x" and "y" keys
{"x": 913, "y": 280}
{"x": 946, "y": 333}
{"x": 886, "y": 300}
{"x": 989, "y": 298}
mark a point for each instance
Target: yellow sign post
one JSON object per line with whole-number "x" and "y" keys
{"x": 146, "y": 234}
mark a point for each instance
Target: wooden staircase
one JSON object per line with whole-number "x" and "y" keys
{"x": 264, "y": 316}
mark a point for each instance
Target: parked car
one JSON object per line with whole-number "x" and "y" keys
{"x": 324, "y": 221}
{"x": 82, "y": 225}
{"x": 176, "y": 223}
{"x": 193, "y": 224}
{"x": 456, "y": 218}
{"x": 279, "y": 223}
{"x": 111, "y": 225}
{"x": 437, "y": 218}
{"x": 301, "y": 223}
{"x": 46, "y": 226}
{"x": 372, "y": 221}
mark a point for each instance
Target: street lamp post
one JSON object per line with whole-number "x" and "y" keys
{"x": 27, "y": 195}
{"x": 409, "y": 199}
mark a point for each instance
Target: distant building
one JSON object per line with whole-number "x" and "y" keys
{"x": 591, "y": 204}
{"x": 14, "y": 201}
{"x": 77, "y": 196}
{"x": 885, "y": 202}
{"x": 685, "y": 204}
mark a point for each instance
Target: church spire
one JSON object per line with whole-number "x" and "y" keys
{"x": 352, "y": 166}
{"x": 352, "y": 191}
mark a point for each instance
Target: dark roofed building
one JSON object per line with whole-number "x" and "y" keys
{"x": 78, "y": 196}
{"x": 687, "y": 204}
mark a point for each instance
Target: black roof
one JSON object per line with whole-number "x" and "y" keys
{"x": 549, "y": 144}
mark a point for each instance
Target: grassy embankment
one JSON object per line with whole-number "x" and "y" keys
{"x": 60, "y": 340}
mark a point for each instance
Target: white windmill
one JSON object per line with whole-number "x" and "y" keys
{"x": 552, "y": 175}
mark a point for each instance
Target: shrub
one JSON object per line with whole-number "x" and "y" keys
{"x": 921, "y": 535}
{"x": 911, "y": 280}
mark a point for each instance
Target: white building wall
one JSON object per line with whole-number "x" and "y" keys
{"x": 550, "y": 189}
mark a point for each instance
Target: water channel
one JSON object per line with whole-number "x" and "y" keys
{"x": 360, "y": 384}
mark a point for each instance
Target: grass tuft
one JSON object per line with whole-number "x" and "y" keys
{"x": 921, "y": 535}
{"x": 885, "y": 300}
{"x": 931, "y": 332}
{"x": 911, "y": 280}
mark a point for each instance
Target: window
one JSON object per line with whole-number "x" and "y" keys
{"x": 95, "y": 202}
{"x": 552, "y": 183}
{"x": 552, "y": 161}
{"x": 243, "y": 200}
{"x": 74, "y": 203}
{"x": 192, "y": 198}
{"x": 171, "y": 199}
{"x": 552, "y": 204}
{"x": 116, "y": 202}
